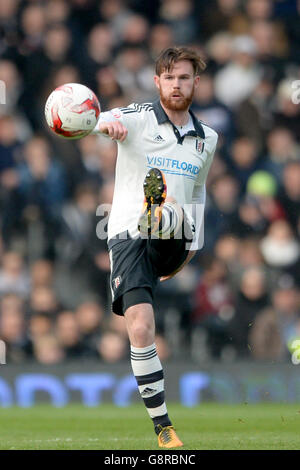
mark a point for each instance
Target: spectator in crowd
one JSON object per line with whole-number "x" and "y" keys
{"x": 134, "y": 73}
{"x": 271, "y": 46}
{"x": 41, "y": 191}
{"x": 243, "y": 160}
{"x": 99, "y": 47}
{"x": 47, "y": 350}
{"x": 89, "y": 317}
{"x": 107, "y": 86}
{"x": 108, "y": 155}
{"x": 33, "y": 27}
{"x": 213, "y": 305}
{"x": 262, "y": 187}
{"x": 9, "y": 150}
{"x": 208, "y": 109}
{"x": 251, "y": 297}
{"x": 8, "y": 24}
{"x": 257, "y": 108}
{"x": 99, "y": 265}
{"x": 219, "y": 49}
{"x": 57, "y": 12}
{"x": 221, "y": 208}
{"x": 77, "y": 218}
{"x": 9, "y": 144}
{"x": 42, "y": 274}
{"x": 43, "y": 301}
{"x": 135, "y": 30}
{"x": 279, "y": 247}
{"x": 55, "y": 52}
{"x": 14, "y": 109}
{"x": 249, "y": 221}
{"x": 238, "y": 79}
{"x": 112, "y": 347}
{"x": 13, "y": 333}
{"x": 259, "y": 9}
{"x": 289, "y": 194}
{"x": 161, "y": 37}
{"x": 39, "y": 325}
{"x": 227, "y": 249}
{"x": 179, "y": 14}
{"x": 291, "y": 22}
{"x": 41, "y": 179}
{"x": 87, "y": 170}
{"x": 276, "y": 327}
{"x": 14, "y": 277}
{"x": 219, "y": 15}
{"x": 249, "y": 253}
{"x": 69, "y": 338}
{"x": 282, "y": 148}
{"x": 116, "y": 13}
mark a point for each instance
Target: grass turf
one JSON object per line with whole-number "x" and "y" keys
{"x": 209, "y": 426}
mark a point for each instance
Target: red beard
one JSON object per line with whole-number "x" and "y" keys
{"x": 181, "y": 105}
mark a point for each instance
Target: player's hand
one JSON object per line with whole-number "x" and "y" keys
{"x": 115, "y": 130}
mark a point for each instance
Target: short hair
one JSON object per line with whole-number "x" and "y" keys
{"x": 168, "y": 57}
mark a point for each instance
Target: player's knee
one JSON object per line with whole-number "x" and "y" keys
{"x": 142, "y": 334}
{"x": 140, "y": 325}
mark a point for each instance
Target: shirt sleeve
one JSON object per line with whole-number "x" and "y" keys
{"x": 198, "y": 201}
{"x": 130, "y": 117}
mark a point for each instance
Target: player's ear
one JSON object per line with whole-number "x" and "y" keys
{"x": 196, "y": 80}
{"x": 156, "y": 81}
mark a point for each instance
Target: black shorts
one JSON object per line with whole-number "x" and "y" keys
{"x": 137, "y": 264}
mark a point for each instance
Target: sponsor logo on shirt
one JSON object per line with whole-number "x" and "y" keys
{"x": 173, "y": 166}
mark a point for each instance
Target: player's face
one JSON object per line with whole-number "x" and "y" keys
{"x": 176, "y": 87}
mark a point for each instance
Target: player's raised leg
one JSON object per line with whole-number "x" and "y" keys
{"x": 148, "y": 371}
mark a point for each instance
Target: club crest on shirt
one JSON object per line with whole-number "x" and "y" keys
{"x": 199, "y": 145}
{"x": 116, "y": 282}
{"x": 116, "y": 113}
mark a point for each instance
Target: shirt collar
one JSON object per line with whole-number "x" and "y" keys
{"x": 162, "y": 117}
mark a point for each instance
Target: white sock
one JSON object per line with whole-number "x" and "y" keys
{"x": 172, "y": 218}
{"x": 149, "y": 375}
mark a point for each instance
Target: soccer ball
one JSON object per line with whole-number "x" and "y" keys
{"x": 72, "y": 110}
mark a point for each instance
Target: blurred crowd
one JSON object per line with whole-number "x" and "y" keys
{"x": 240, "y": 297}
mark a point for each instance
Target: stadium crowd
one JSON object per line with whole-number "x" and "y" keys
{"x": 240, "y": 297}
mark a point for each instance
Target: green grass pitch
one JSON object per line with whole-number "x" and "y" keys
{"x": 208, "y": 426}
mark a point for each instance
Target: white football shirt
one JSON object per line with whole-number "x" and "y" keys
{"x": 154, "y": 142}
